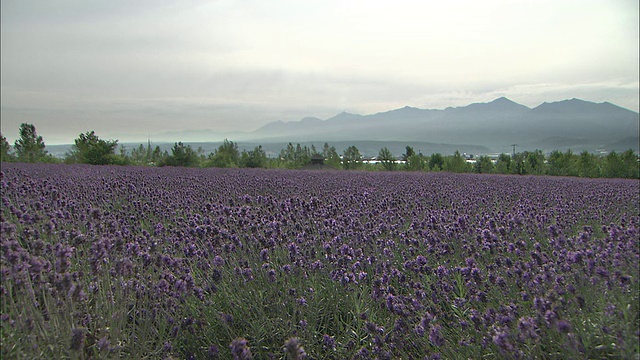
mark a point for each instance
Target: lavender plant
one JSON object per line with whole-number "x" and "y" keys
{"x": 126, "y": 262}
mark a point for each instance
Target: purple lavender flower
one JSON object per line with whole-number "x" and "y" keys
{"x": 563, "y": 326}
{"x": 294, "y": 349}
{"x": 502, "y": 339}
{"x": 240, "y": 349}
{"x": 271, "y": 274}
{"x": 226, "y": 318}
{"x": 77, "y": 339}
{"x": 213, "y": 352}
{"x": 435, "y": 335}
{"x": 104, "y": 344}
{"x": 328, "y": 342}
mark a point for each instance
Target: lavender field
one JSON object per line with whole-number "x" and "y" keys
{"x": 126, "y": 262}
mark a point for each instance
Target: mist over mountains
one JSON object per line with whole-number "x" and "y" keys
{"x": 574, "y": 124}
{"x": 480, "y": 128}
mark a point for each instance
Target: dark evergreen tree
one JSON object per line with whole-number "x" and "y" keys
{"x": 409, "y": 152}
{"x": 503, "y": 165}
{"x": 140, "y": 155}
{"x": 331, "y": 156}
{"x": 351, "y": 158}
{"x": 630, "y": 164}
{"x": 5, "y": 150}
{"x": 517, "y": 164}
{"x": 227, "y": 155}
{"x": 455, "y": 163}
{"x": 255, "y": 158}
{"x": 534, "y": 162}
{"x": 387, "y": 159}
{"x": 484, "y": 165}
{"x": 588, "y": 165}
{"x": 90, "y": 149}
{"x": 30, "y": 147}
{"x": 436, "y": 162}
{"x": 181, "y": 155}
{"x": 416, "y": 162}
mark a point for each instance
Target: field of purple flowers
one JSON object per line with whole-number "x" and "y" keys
{"x": 125, "y": 262}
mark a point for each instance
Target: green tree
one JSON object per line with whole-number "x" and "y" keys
{"x": 436, "y": 162}
{"x": 503, "y": 165}
{"x": 226, "y": 156}
{"x": 5, "y": 150}
{"x": 157, "y": 156}
{"x": 534, "y": 162}
{"x": 302, "y": 155}
{"x": 255, "y": 158}
{"x": 90, "y": 149}
{"x": 331, "y": 156}
{"x": 296, "y": 156}
{"x": 455, "y": 163}
{"x": 484, "y": 165}
{"x": 588, "y": 165}
{"x": 416, "y": 162}
{"x": 351, "y": 158}
{"x": 517, "y": 164}
{"x": 30, "y": 147}
{"x": 181, "y": 155}
{"x": 387, "y": 159}
{"x": 562, "y": 164}
{"x": 554, "y": 163}
{"x": 140, "y": 155}
{"x": 630, "y": 164}
{"x": 409, "y": 152}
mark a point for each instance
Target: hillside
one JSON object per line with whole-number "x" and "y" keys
{"x": 495, "y": 125}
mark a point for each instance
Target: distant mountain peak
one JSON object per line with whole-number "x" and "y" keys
{"x": 494, "y": 123}
{"x": 344, "y": 116}
{"x": 500, "y": 104}
{"x": 503, "y": 100}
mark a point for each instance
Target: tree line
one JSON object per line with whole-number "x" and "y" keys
{"x": 88, "y": 148}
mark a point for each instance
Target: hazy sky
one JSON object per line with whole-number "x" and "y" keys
{"x": 128, "y": 68}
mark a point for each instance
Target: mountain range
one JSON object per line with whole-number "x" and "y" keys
{"x": 568, "y": 124}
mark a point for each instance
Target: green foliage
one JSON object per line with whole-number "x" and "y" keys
{"x": 562, "y": 164}
{"x": 141, "y": 155}
{"x": 517, "y": 164}
{"x": 351, "y": 158}
{"x": 436, "y": 162}
{"x": 534, "y": 162}
{"x": 631, "y": 165}
{"x": 181, "y": 155}
{"x": 503, "y": 165}
{"x": 455, "y": 163}
{"x": 387, "y": 159}
{"x": 331, "y": 156}
{"x": 255, "y": 158}
{"x": 30, "y": 147}
{"x": 484, "y": 165}
{"x": 409, "y": 152}
{"x": 623, "y": 165}
{"x": 5, "y": 150}
{"x": 296, "y": 156}
{"x": 588, "y": 165}
{"x": 90, "y": 149}
{"x": 416, "y": 162}
{"x": 226, "y": 156}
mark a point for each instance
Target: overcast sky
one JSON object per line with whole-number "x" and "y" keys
{"x": 129, "y": 68}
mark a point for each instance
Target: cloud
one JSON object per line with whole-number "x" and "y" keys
{"x": 125, "y": 67}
